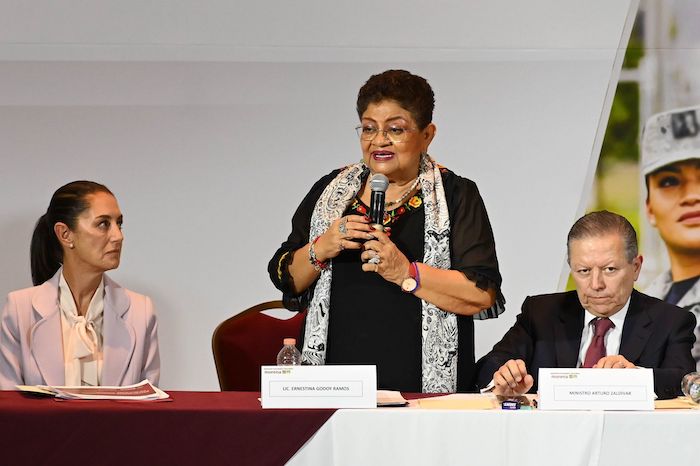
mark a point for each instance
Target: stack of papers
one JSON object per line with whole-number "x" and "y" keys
{"x": 387, "y": 398}
{"x": 460, "y": 401}
{"x": 142, "y": 391}
{"x": 682, "y": 402}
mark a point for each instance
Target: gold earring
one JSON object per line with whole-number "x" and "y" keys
{"x": 71, "y": 245}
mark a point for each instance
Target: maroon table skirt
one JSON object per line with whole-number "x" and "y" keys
{"x": 197, "y": 428}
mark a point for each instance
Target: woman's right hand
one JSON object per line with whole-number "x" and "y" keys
{"x": 341, "y": 235}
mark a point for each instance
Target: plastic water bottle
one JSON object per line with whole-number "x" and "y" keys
{"x": 690, "y": 385}
{"x": 289, "y": 355}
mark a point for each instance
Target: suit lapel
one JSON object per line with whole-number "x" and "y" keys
{"x": 118, "y": 337}
{"x": 636, "y": 330}
{"x": 46, "y": 339}
{"x": 567, "y": 333}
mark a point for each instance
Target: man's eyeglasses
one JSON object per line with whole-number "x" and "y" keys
{"x": 393, "y": 133}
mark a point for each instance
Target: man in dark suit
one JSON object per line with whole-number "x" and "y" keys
{"x": 605, "y": 323}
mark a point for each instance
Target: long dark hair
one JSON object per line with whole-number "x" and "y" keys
{"x": 67, "y": 203}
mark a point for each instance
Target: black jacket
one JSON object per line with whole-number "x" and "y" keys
{"x": 547, "y": 333}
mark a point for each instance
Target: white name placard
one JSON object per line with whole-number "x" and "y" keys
{"x": 603, "y": 389}
{"x": 319, "y": 386}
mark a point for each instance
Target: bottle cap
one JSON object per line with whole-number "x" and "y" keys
{"x": 290, "y": 341}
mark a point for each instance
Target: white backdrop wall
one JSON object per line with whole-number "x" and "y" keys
{"x": 210, "y": 121}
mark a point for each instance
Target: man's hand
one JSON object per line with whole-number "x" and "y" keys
{"x": 614, "y": 361}
{"x": 512, "y": 379}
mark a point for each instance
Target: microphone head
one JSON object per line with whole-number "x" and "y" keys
{"x": 379, "y": 182}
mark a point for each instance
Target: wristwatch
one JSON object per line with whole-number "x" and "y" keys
{"x": 411, "y": 283}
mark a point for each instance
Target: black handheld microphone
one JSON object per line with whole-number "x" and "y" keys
{"x": 378, "y": 183}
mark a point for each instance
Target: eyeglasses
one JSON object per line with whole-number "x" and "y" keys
{"x": 393, "y": 133}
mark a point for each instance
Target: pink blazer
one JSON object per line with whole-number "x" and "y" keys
{"x": 31, "y": 347}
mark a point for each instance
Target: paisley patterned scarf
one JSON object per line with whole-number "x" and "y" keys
{"x": 439, "y": 328}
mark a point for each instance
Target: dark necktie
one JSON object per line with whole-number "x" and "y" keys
{"x": 596, "y": 350}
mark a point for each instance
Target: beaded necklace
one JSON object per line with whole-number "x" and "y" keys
{"x": 403, "y": 197}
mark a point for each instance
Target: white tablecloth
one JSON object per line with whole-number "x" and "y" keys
{"x": 407, "y": 436}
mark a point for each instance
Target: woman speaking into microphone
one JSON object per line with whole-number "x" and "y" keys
{"x": 403, "y": 298}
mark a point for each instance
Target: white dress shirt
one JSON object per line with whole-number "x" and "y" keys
{"x": 82, "y": 336}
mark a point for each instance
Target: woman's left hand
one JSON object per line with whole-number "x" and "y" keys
{"x": 391, "y": 264}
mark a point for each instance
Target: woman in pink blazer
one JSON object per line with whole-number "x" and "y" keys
{"x": 76, "y": 326}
